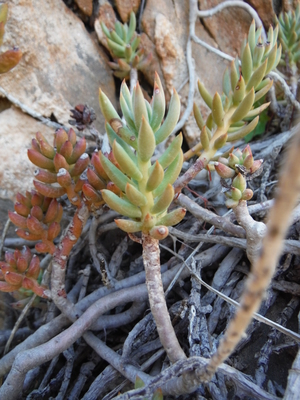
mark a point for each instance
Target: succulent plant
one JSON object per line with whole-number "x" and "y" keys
{"x": 60, "y": 165}
{"x": 236, "y": 167}
{"x": 38, "y": 214}
{"x": 143, "y": 189}
{"x": 83, "y": 116}
{"x": 10, "y": 58}
{"x": 289, "y": 37}
{"x": 21, "y": 269}
{"x": 37, "y": 218}
{"x": 124, "y": 45}
{"x": 233, "y": 114}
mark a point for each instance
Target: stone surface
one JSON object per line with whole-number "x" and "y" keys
{"x": 16, "y": 171}
{"x": 61, "y": 65}
{"x": 125, "y": 7}
{"x": 228, "y": 27}
{"x": 265, "y": 11}
{"x": 166, "y": 25}
{"x": 86, "y": 6}
{"x": 106, "y": 15}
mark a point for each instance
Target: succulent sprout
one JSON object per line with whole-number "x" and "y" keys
{"x": 37, "y": 218}
{"x": 236, "y": 167}
{"x": 243, "y": 86}
{"x": 21, "y": 270}
{"x": 124, "y": 45}
{"x": 289, "y": 36}
{"x": 83, "y": 116}
{"x": 60, "y": 165}
{"x": 144, "y": 188}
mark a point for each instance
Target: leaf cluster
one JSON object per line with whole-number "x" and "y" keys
{"x": 124, "y": 45}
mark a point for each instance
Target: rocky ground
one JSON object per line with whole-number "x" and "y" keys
{"x": 64, "y": 63}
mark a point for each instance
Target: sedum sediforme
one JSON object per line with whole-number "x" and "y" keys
{"x": 145, "y": 188}
{"x": 234, "y": 113}
{"x": 124, "y": 45}
{"x": 236, "y": 167}
{"x": 289, "y": 37}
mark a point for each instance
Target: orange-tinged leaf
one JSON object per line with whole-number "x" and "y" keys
{"x": 13, "y": 278}
{"x": 17, "y": 219}
{"x": 49, "y": 191}
{"x": 9, "y": 59}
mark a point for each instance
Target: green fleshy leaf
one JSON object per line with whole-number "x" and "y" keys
{"x": 245, "y": 130}
{"x": 114, "y": 174}
{"x": 257, "y": 76}
{"x": 123, "y": 207}
{"x": 135, "y": 196}
{"x": 171, "y": 152}
{"x": 226, "y": 82}
{"x": 128, "y": 163}
{"x": 243, "y": 108}
{"x": 158, "y": 104}
{"x": 217, "y": 110}
{"x": 205, "y": 95}
{"x": 163, "y": 201}
{"x": 171, "y": 120}
{"x": 172, "y": 218}
{"x": 107, "y": 108}
{"x": 112, "y": 136}
{"x": 155, "y": 177}
{"x": 146, "y": 141}
{"x": 132, "y": 26}
{"x": 247, "y": 65}
{"x": 171, "y": 174}
{"x": 139, "y": 106}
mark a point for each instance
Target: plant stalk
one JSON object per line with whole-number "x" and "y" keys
{"x": 151, "y": 257}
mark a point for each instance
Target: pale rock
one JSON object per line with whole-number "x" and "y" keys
{"x": 125, "y": 7}
{"x": 166, "y": 23}
{"x": 170, "y": 51}
{"x": 61, "y": 66}
{"x": 106, "y": 15}
{"x": 265, "y": 11}
{"x": 17, "y": 131}
{"x": 155, "y": 65}
{"x": 228, "y": 27}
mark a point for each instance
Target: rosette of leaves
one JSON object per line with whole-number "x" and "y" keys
{"x": 60, "y": 165}
{"x": 83, "y": 116}
{"x": 236, "y": 167}
{"x": 124, "y": 45}
{"x": 37, "y": 218}
{"x": 289, "y": 37}
{"x": 145, "y": 187}
{"x": 10, "y": 58}
{"x": 21, "y": 270}
{"x": 234, "y": 114}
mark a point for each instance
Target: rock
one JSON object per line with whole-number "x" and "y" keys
{"x": 61, "y": 65}
{"x": 86, "y": 6}
{"x": 125, "y": 7}
{"x": 106, "y": 15}
{"x": 265, "y": 10}
{"x": 154, "y": 65}
{"x": 162, "y": 24}
{"x": 166, "y": 23}
{"x": 228, "y": 27}
{"x": 17, "y": 131}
